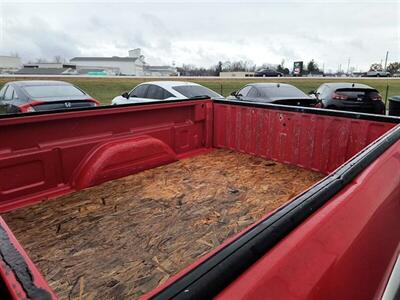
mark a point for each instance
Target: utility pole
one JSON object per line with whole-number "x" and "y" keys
{"x": 348, "y": 66}
{"x": 387, "y": 54}
{"x": 2, "y": 23}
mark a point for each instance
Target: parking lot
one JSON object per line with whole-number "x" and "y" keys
{"x": 105, "y": 89}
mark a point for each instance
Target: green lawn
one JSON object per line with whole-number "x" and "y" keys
{"x": 104, "y": 89}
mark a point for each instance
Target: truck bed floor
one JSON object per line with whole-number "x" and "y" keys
{"x": 123, "y": 238}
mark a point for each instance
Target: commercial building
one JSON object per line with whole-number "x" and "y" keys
{"x": 236, "y": 74}
{"x": 45, "y": 68}
{"x": 160, "y": 71}
{"x": 133, "y": 64}
{"x": 9, "y": 64}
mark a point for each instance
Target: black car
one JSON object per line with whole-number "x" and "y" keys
{"x": 268, "y": 73}
{"x": 277, "y": 93}
{"x": 350, "y": 97}
{"x": 42, "y": 95}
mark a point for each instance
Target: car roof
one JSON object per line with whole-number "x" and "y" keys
{"x": 170, "y": 83}
{"x": 345, "y": 85}
{"x": 270, "y": 84}
{"x": 23, "y": 83}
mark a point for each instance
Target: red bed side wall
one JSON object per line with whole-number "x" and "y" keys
{"x": 346, "y": 250}
{"x": 317, "y": 142}
{"x": 45, "y": 156}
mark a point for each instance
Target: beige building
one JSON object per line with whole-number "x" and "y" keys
{"x": 236, "y": 74}
{"x": 10, "y": 64}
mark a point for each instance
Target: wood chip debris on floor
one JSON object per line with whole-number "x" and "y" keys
{"x": 125, "y": 237}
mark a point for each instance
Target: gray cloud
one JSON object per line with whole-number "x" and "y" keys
{"x": 203, "y": 33}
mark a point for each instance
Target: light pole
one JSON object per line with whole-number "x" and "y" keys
{"x": 348, "y": 66}
{"x": 387, "y": 54}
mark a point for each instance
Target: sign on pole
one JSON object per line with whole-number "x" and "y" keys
{"x": 297, "y": 68}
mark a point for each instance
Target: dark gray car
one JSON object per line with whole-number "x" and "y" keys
{"x": 42, "y": 95}
{"x": 277, "y": 93}
{"x": 350, "y": 97}
{"x": 267, "y": 73}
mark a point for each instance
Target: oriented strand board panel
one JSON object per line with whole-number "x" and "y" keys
{"x": 125, "y": 237}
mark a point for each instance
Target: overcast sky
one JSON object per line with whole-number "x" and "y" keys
{"x": 204, "y": 32}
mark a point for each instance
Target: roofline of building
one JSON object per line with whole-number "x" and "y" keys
{"x": 113, "y": 58}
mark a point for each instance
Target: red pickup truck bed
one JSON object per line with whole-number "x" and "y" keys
{"x": 124, "y": 237}
{"x": 322, "y": 229}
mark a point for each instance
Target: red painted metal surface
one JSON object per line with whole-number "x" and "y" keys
{"x": 120, "y": 158}
{"x": 344, "y": 251}
{"x": 317, "y": 142}
{"x": 45, "y": 156}
{"x": 14, "y": 287}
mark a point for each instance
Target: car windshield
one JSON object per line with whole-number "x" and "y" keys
{"x": 191, "y": 91}
{"x": 280, "y": 92}
{"x": 52, "y": 91}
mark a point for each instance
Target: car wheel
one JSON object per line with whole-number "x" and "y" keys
{"x": 264, "y": 75}
{"x": 378, "y": 75}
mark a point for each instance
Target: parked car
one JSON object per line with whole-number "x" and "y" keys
{"x": 350, "y": 97}
{"x": 268, "y": 73}
{"x": 376, "y": 74}
{"x": 42, "y": 95}
{"x": 164, "y": 90}
{"x": 278, "y": 93}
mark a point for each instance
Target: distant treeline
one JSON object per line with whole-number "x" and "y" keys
{"x": 248, "y": 66}
{"x": 228, "y": 66}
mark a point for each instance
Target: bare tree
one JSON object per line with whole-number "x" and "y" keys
{"x": 58, "y": 59}
{"x": 376, "y": 67}
{"x": 393, "y": 67}
{"x": 238, "y": 66}
{"x": 218, "y": 68}
{"x": 41, "y": 60}
{"x": 312, "y": 66}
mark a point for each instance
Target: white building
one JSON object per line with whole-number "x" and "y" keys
{"x": 236, "y": 74}
{"x": 10, "y": 64}
{"x": 129, "y": 65}
{"x": 160, "y": 71}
